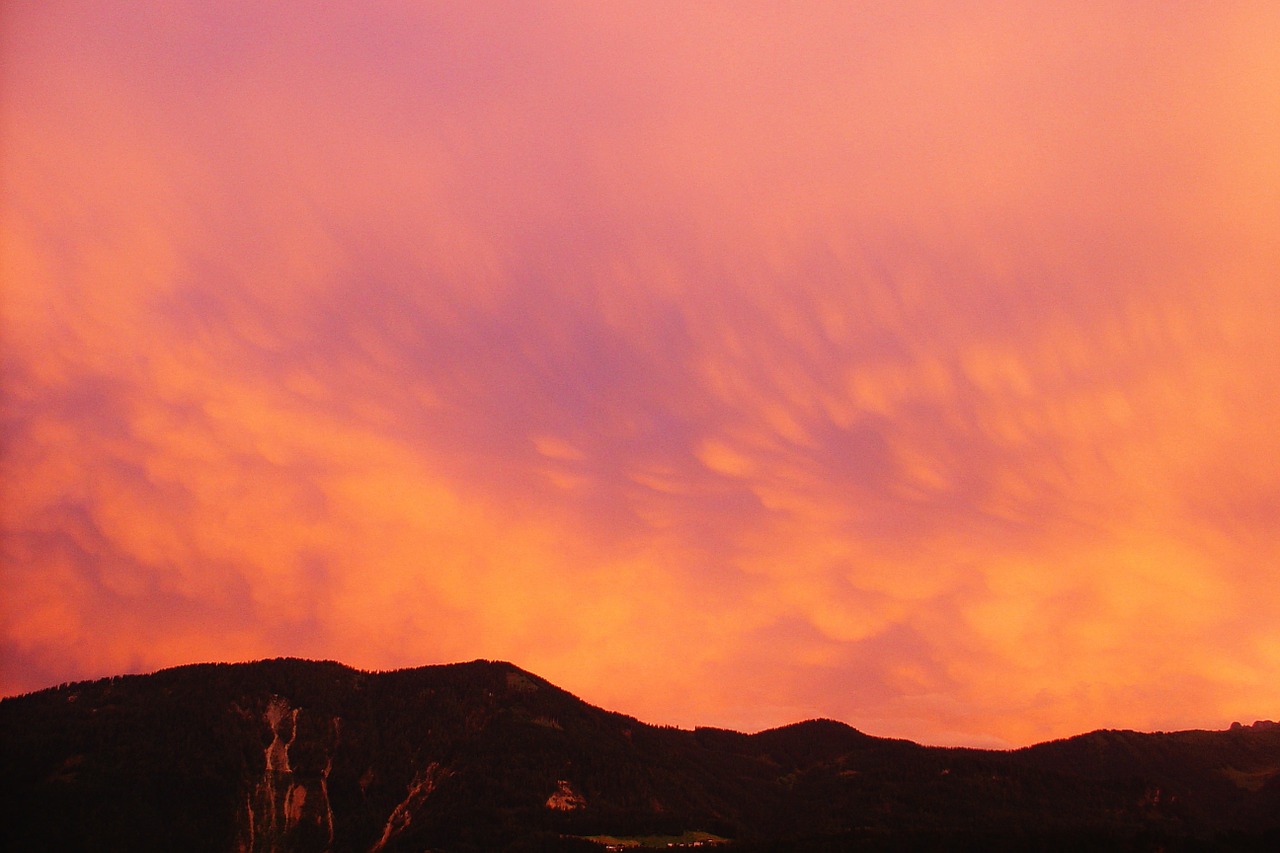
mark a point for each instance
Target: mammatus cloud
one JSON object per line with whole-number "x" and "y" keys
{"x": 875, "y": 363}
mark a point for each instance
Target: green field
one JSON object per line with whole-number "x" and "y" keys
{"x": 688, "y": 839}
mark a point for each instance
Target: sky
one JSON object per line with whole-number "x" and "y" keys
{"x": 728, "y": 363}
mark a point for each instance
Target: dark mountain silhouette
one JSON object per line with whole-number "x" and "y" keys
{"x": 306, "y": 756}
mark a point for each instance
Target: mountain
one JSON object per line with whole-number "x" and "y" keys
{"x": 292, "y": 755}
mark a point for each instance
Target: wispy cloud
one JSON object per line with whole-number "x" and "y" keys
{"x": 879, "y": 362}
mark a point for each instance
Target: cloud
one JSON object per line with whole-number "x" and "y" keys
{"x": 889, "y": 364}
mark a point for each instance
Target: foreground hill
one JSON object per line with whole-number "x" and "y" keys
{"x": 291, "y": 755}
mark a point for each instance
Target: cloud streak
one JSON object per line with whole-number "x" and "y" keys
{"x": 877, "y": 363}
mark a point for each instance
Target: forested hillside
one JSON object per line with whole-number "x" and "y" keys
{"x": 307, "y": 756}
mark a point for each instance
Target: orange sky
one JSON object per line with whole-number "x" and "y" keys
{"x": 725, "y": 363}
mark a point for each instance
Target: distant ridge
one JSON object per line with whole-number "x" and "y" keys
{"x": 294, "y": 755}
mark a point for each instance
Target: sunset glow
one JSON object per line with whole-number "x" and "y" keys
{"x": 909, "y": 364}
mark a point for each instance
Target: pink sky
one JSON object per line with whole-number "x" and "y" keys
{"x": 724, "y": 363}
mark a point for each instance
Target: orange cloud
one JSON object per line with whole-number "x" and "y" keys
{"x": 885, "y": 363}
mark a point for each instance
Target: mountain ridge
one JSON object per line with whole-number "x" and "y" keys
{"x": 1234, "y": 726}
{"x": 297, "y": 755}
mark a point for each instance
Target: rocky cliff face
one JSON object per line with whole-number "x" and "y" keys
{"x": 288, "y": 806}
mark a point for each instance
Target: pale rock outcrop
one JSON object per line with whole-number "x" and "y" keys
{"x": 288, "y": 808}
{"x": 565, "y": 798}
